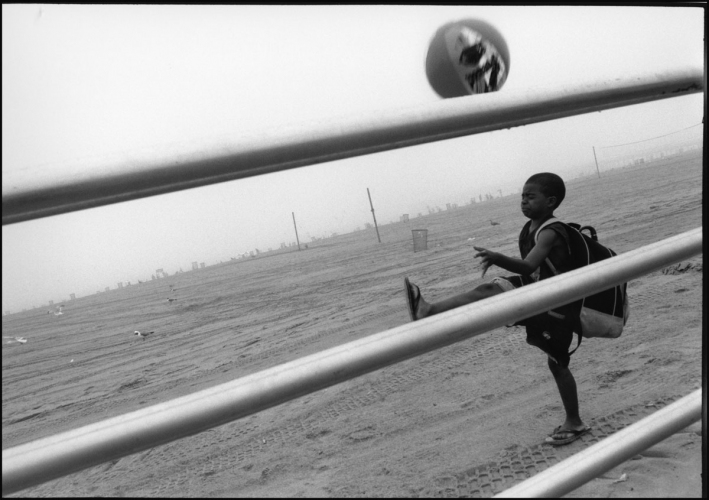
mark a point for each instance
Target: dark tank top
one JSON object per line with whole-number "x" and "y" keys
{"x": 559, "y": 255}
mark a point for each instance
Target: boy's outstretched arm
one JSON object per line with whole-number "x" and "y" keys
{"x": 526, "y": 266}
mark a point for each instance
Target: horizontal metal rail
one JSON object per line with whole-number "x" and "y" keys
{"x": 590, "y": 463}
{"x": 45, "y": 459}
{"x": 34, "y": 192}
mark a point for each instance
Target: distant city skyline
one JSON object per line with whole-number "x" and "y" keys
{"x": 160, "y": 274}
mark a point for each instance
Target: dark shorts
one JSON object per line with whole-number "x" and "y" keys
{"x": 549, "y": 332}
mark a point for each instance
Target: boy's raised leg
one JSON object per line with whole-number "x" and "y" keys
{"x": 419, "y": 308}
{"x": 478, "y": 293}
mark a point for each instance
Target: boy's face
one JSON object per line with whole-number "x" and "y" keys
{"x": 535, "y": 205}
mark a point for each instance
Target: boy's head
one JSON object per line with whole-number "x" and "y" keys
{"x": 550, "y": 185}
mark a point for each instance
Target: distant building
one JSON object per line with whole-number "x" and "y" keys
{"x": 72, "y": 296}
{"x": 195, "y": 266}
{"x": 120, "y": 284}
{"x": 201, "y": 264}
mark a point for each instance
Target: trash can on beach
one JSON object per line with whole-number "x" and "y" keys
{"x": 420, "y": 239}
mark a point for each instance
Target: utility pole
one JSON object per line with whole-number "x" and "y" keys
{"x": 296, "y": 231}
{"x": 375, "y": 219}
{"x": 594, "y": 157}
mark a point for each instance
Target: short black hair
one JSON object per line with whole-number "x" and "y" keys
{"x": 550, "y": 185}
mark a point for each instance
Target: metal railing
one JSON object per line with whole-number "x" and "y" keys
{"x": 30, "y": 193}
{"x": 40, "y": 461}
{"x": 590, "y": 463}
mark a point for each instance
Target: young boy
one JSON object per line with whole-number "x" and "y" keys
{"x": 551, "y": 331}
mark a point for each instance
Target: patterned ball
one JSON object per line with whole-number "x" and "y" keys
{"x": 467, "y": 57}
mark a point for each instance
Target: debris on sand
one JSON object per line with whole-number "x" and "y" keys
{"x": 13, "y": 340}
{"x": 682, "y": 267}
{"x": 623, "y": 477}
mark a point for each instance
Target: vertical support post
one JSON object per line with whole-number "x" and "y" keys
{"x": 296, "y": 231}
{"x": 596, "y": 160}
{"x": 375, "y": 219}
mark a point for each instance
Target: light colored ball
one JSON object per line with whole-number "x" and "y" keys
{"x": 467, "y": 57}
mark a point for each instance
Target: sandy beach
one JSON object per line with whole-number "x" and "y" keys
{"x": 467, "y": 420}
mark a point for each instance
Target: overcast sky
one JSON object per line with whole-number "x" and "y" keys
{"x": 87, "y": 83}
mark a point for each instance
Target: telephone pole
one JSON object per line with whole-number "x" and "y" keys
{"x": 594, "y": 157}
{"x": 375, "y": 219}
{"x": 296, "y": 231}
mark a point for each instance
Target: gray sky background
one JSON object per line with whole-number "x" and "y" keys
{"x": 87, "y": 83}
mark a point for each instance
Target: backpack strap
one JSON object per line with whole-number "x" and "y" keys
{"x": 591, "y": 230}
{"x": 550, "y": 220}
{"x": 547, "y": 222}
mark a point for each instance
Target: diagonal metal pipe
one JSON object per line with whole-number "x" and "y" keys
{"x": 34, "y": 192}
{"x": 46, "y": 459}
{"x": 575, "y": 471}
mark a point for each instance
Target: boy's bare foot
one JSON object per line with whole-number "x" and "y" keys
{"x": 418, "y": 308}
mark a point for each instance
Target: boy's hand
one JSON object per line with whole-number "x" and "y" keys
{"x": 488, "y": 258}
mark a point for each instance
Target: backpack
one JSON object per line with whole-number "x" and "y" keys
{"x": 605, "y": 313}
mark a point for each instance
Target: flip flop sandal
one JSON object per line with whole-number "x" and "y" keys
{"x": 560, "y": 437}
{"x": 412, "y": 298}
